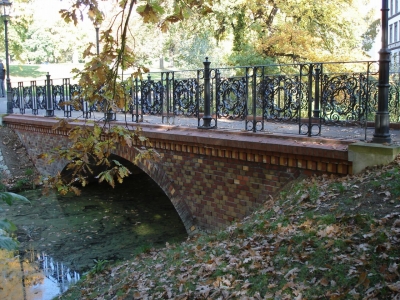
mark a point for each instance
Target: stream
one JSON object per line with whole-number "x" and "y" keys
{"x": 66, "y": 235}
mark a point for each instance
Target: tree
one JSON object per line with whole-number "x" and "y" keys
{"x": 47, "y": 42}
{"x": 290, "y": 31}
{"x": 103, "y": 80}
{"x": 17, "y": 29}
{"x": 279, "y": 30}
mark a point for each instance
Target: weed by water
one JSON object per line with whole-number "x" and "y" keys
{"x": 21, "y": 184}
{"x": 99, "y": 266}
{"x": 144, "y": 248}
{"x": 28, "y": 172}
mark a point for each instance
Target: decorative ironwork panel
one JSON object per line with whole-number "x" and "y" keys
{"x": 280, "y": 97}
{"x": 394, "y": 99}
{"x": 33, "y": 99}
{"x": 232, "y": 97}
{"x": 184, "y": 97}
{"x": 14, "y": 97}
{"x": 57, "y": 96}
{"x": 135, "y": 106}
{"x": 342, "y": 97}
{"x": 40, "y": 94}
{"x": 152, "y": 97}
{"x": 21, "y": 98}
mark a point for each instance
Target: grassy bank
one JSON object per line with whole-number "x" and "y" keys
{"x": 324, "y": 238}
{"x": 26, "y": 73}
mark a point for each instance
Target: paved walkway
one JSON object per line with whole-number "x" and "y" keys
{"x": 348, "y": 132}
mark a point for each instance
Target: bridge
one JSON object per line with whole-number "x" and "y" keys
{"x": 220, "y": 169}
{"x": 213, "y": 177}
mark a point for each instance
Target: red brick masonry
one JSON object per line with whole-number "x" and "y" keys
{"x": 211, "y": 176}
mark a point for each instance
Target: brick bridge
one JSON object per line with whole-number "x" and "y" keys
{"x": 211, "y": 177}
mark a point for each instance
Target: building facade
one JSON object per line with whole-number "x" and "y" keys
{"x": 394, "y": 34}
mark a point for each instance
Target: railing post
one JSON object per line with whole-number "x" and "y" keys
{"x": 382, "y": 121}
{"x": 34, "y": 98}
{"x": 207, "y": 97}
{"x": 20, "y": 97}
{"x": 136, "y": 101}
{"x": 49, "y": 98}
{"x": 317, "y": 98}
{"x": 310, "y": 98}
{"x": 67, "y": 97}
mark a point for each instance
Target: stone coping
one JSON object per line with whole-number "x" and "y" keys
{"x": 270, "y": 142}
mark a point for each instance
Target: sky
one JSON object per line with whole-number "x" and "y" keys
{"x": 376, "y": 5}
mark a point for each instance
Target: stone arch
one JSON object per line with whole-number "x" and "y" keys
{"x": 155, "y": 171}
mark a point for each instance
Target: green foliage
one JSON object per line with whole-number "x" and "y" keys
{"x": 6, "y": 227}
{"x": 248, "y": 56}
{"x": 26, "y": 71}
{"x": 370, "y": 35}
{"x": 90, "y": 151}
{"x": 99, "y": 266}
{"x": 10, "y": 198}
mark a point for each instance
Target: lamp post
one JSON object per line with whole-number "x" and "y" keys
{"x": 97, "y": 27}
{"x": 5, "y": 6}
{"x": 381, "y": 134}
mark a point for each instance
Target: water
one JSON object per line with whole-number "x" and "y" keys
{"x": 100, "y": 224}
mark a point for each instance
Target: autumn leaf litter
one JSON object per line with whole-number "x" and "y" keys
{"x": 323, "y": 238}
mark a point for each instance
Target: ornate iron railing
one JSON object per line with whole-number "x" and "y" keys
{"x": 309, "y": 94}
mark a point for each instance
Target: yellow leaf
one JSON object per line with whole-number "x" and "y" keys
{"x": 395, "y": 287}
{"x": 324, "y": 281}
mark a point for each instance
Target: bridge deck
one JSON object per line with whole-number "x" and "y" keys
{"x": 349, "y": 132}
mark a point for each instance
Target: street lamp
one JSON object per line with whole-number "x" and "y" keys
{"x": 5, "y": 7}
{"x": 97, "y": 27}
{"x": 381, "y": 134}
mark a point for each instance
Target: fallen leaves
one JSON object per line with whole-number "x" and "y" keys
{"x": 329, "y": 238}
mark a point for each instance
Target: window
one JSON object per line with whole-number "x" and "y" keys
{"x": 391, "y": 7}
{"x": 397, "y": 6}
{"x": 395, "y": 34}
{"x": 391, "y": 34}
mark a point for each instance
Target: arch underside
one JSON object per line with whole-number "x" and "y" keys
{"x": 157, "y": 174}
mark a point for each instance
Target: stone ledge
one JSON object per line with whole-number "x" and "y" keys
{"x": 328, "y": 149}
{"x": 365, "y": 155}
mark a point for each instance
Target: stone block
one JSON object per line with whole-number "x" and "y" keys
{"x": 364, "y": 155}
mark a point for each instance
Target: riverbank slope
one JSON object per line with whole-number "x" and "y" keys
{"x": 323, "y": 238}
{"x": 17, "y": 171}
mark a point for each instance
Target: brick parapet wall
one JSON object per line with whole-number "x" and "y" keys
{"x": 212, "y": 177}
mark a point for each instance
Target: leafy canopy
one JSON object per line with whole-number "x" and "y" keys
{"x": 274, "y": 30}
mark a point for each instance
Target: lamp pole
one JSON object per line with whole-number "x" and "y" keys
{"x": 5, "y": 7}
{"x": 97, "y": 27}
{"x": 382, "y": 121}
{"x": 97, "y": 40}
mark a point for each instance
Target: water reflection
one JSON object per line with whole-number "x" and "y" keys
{"x": 57, "y": 279}
{"x": 101, "y": 224}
